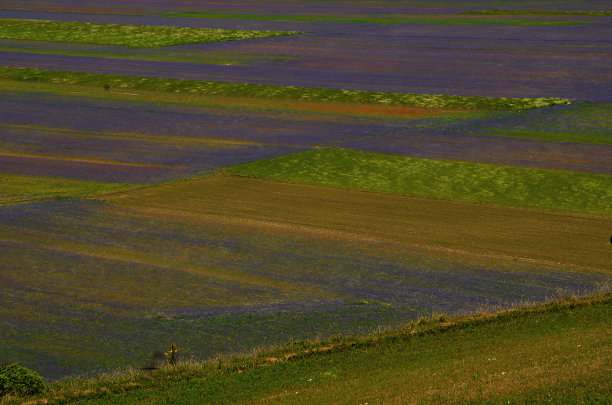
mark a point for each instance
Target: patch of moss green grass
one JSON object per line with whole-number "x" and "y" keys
{"x": 370, "y": 20}
{"x": 21, "y": 188}
{"x": 275, "y": 92}
{"x": 440, "y": 179}
{"x": 554, "y": 352}
{"x": 132, "y": 36}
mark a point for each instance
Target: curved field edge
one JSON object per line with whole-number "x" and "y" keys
{"x": 558, "y": 350}
{"x": 132, "y": 36}
{"x": 276, "y": 92}
{"x": 439, "y": 179}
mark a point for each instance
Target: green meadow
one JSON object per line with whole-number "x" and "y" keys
{"x": 440, "y": 179}
{"x": 132, "y": 36}
{"x": 555, "y": 353}
{"x": 19, "y": 188}
{"x": 275, "y": 92}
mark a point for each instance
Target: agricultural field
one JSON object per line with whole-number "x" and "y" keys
{"x": 237, "y": 176}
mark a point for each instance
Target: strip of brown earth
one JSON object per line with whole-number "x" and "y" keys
{"x": 540, "y": 236}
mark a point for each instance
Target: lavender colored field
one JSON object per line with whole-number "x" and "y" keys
{"x": 109, "y": 51}
{"x": 150, "y": 141}
{"x": 101, "y": 279}
{"x": 120, "y": 156}
{"x": 475, "y": 60}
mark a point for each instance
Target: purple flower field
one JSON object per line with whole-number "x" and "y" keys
{"x": 95, "y": 276}
{"x": 88, "y": 286}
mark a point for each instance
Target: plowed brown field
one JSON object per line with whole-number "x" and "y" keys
{"x": 525, "y": 234}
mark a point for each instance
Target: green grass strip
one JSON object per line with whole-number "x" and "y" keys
{"x": 554, "y": 352}
{"x": 19, "y": 188}
{"x": 132, "y": 36}
{"x": 368, "y": 20}
{"x": 277, "y": 92}
{"x": 596, "y": 13}
{"x": 440, "y": 179}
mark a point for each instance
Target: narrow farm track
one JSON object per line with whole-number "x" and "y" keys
{"x": 532, "y": 235}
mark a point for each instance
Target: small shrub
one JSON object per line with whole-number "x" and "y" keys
{"x": 172, "y": 354}
{"x": 18, "y": 380}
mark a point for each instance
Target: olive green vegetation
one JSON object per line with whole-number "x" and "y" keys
{"x": 18, "y": 380}
{"x": 555, "y": 352}
{"x": 370, "y": 20}
{"x": 447, "y": 180}
{"x": 274, "y": 92}
{"x": 541, "y": 12}
{"x": 132, "y": 36}
{"x": 19, "y": 188}
{"x": 578, "y": 241}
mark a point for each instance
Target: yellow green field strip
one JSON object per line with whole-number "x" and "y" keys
{"x": 19, "y": 188}
{"x": 132, "y": 36}
{"x": 440, "y": 179}
{"x": 263, "y": 91}
{"x": 530, "y": 235}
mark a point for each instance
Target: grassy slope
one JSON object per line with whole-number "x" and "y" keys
{"x": 274, "y": 92}
{"x": 350, "y": 214}
{"x": 133, "y": 36}
{"x": 447, "y": 180}
{"x": 20, "y": 188}
{"x": 559, "y": 352}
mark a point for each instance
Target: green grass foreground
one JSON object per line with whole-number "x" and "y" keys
{"x": 243, "y": 90}
{"x": 556, "y": 352}
{"x": 20, "y": 188}
{"x": 440, "y": 179}
{"x": 132, "y": 36}
{"x": 371, "y": 20}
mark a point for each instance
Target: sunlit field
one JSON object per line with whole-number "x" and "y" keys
{"x": 360, "y": 186}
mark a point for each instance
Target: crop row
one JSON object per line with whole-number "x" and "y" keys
{"x": 279, "y": 92}
{"x": 133, "y": 36}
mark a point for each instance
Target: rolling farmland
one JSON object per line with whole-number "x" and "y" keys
{"x": 236, "y": 176}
